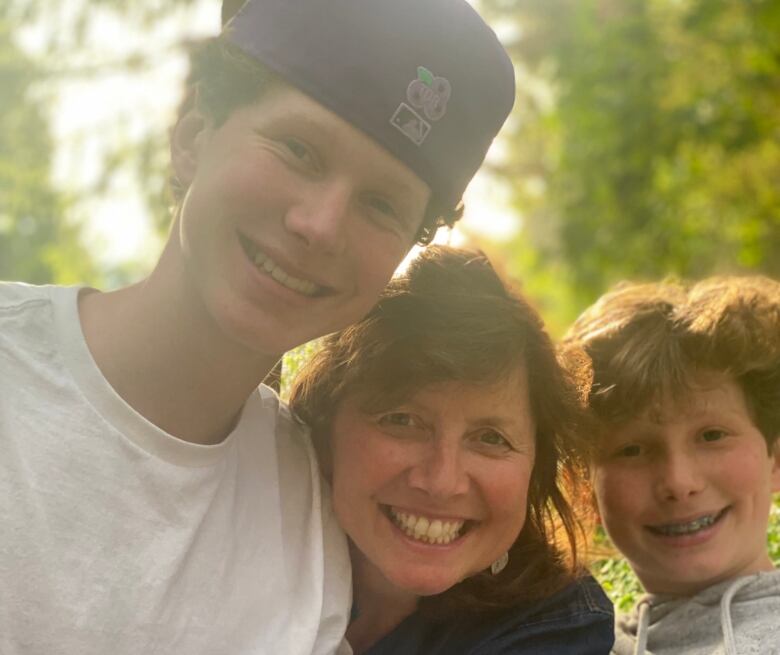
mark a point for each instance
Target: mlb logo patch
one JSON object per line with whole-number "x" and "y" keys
{"x": 410, "y": 123}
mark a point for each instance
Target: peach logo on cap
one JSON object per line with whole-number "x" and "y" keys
{"x": 428, "y": 93}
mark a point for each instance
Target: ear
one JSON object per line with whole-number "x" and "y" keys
{"x": 594, "y": 508}
{"x": 187, "y": 138}
{"x": 774, "y": 456}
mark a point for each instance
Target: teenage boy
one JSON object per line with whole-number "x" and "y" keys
{"x": 153, "y": 499}
{"x": 686, "y": 389}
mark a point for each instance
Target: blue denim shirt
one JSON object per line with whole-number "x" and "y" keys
{"x": 578, "y": 620}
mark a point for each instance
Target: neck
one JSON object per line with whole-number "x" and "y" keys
{"x": 164, "y": 355}
{"x": 381, "y": 606}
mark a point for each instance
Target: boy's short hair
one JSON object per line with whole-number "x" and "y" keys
{"x": 646, "y": 341}
{"x": 451, "y": 318}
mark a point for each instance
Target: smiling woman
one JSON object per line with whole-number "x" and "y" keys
{"x": 445, "y": 425}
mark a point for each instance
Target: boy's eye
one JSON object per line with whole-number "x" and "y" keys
{"x": 396, "y": 418}
{"x": 384, "y": 212}
{"x": 381, "y": 205}
{"x": 299, "y": 150}
{"x": 712, "y": 435}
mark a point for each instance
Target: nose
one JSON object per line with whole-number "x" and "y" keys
{"x": 319, "y": 215}
{"x": 440, "y": 471}
{"x": 679, "y": 477}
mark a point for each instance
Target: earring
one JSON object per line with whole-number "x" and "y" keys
{"x": 500, "y": 564}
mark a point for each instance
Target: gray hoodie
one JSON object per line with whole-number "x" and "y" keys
{"x": 736, "y": 617}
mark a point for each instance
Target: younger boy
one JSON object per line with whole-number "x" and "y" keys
{"x": 686, "y": 388}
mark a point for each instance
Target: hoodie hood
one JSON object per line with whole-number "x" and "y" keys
{"x": 740, "y": 616}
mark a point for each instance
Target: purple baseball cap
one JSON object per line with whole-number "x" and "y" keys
{"x": 426, "y": 79}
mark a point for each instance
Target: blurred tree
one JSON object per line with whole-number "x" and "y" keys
{"x": 645, "y": 142}
{"x": 36, "y": 243}
{"x": 39, "y": 240}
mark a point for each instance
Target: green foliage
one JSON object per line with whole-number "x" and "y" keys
{"x": 39, "y": 239}
{"x": 293, "y": 362}
{"x": 645, "y": 140}
{"x": 619, "y": 581}
{"x": 37, "y": 244}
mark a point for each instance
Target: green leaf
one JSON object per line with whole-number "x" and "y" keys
{"x": 424, "y": 75}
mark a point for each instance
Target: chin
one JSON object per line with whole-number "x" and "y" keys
{"x": 425, "y": 585}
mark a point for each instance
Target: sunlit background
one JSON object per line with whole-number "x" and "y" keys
{"x": 118, "y": 83}
{"x": 645, "y": 142}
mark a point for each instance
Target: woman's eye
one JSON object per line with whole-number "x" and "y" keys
{"x": 493, "y": 438}
{"x": 713, "y": 435}
{"x": 492, "y": 441}
{"x": 629, "y": 450}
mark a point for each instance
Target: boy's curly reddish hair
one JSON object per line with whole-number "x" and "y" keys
{"x": 645, "y": 341}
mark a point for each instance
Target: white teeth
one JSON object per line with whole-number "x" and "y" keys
{"x": 266, "y": 264}
{"x": 421, "y": 528}
{"x": 431, "y": 531}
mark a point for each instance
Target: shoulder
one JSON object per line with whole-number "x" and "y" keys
{"x": 33, "y": 302}
{"x": 582, "y": 598}
{"x": 292, "y": 436}
{"x": 15, "y": 296}
{"x": 579, "y": 619}
{"x": 269, "y": 426}
{"x": 29, "y": 315}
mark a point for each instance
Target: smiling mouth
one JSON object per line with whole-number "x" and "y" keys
{"x": 689, "y": 528}
{"x": 425, "y": 529}
{"x": 268, "y": 266}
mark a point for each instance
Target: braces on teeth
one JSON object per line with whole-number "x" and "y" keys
{"x": 677, "y": 529}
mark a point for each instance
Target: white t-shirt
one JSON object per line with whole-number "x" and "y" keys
{"x": 117, "y": 538}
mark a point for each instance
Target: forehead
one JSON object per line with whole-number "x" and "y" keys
{"x": 505, "y": 400}
{"x": 708, "y": 395}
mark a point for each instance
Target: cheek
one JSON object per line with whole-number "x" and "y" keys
{"x": 242, "y": 179}
{"x": 618, "y": 497}
{"x": 252, "y": 185}
{"x": 505, "y": 489}
{"x": 362, "y": 466}
{"x": 744, "y": 471}
{"x": 378, "y": 254}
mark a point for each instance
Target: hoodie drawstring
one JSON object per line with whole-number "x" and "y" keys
{"x": 729, "y": 642}
{"x": 641, "y": 630}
